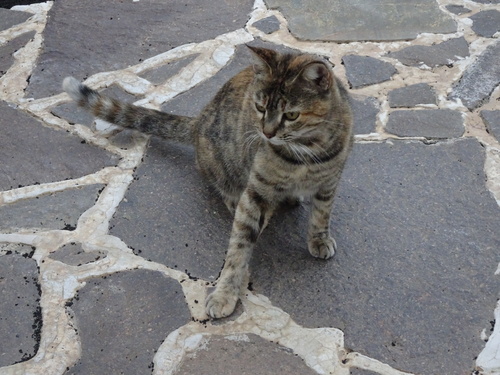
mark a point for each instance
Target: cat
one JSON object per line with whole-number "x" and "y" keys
{"x": 279, "y": 130}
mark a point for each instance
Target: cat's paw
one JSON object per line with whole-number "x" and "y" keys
{"x": 322, "y": 248}
{"x": 220, "y": 304}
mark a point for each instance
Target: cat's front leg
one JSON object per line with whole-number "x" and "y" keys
{"x": 250, "y": 218}
{"x": 320, "y": 243}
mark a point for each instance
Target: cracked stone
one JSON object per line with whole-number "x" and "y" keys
{"x": 486, "y": 23}
{"x": 184, "y": 223}
{"x": 429, "y": 123}
{"x": 159, "y": 75}
{"x": 410, "y": 96}
{"x": 365, "y": 70}
{"x": 74, "y": 255}
{"x": 54, "y": 211}
{"x": 479, "y": 80}
{"x": 457, "y": 9}
{"x": 122, "y": 319}
{"x": 492, "y": 122}
{"x": 9, "y": 18}
{"x": 20, "y": 320}
{"x": 22, "y": 145}
{"x": 365, "y": 110}
{"x": 404, "y": 285}
{"x": 190, "y": 103}
{"x": 444, "y": 53}
{"x": 268, "y": 25}
{"x": 337, "y": 20}
{"x": 243, "y": 355}
{"x": 158, "y": 27}
{"x": 7, "y": 50}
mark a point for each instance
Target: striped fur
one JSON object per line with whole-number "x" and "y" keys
{"x": 278, "y": 130}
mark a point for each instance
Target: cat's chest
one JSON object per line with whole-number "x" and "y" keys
{"x": 296, "y": 181}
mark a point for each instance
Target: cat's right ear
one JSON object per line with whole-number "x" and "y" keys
{"x": 265, "y": 59}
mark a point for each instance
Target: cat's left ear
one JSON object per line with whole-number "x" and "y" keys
{"x": 319, "y": 74}
{"x": 265, "y": 59}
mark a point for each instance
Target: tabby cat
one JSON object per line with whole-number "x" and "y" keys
{"x": 279, "y": 130}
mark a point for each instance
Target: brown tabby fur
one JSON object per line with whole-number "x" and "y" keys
{"x": 279, "y": 130}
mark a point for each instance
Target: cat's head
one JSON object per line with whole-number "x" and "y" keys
{"x": 294, "y": 96}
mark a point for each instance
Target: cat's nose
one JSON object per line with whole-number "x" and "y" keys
{"x": 269, "y": 134}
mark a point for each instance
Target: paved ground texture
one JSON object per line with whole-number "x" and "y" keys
{"x": 110, "y": 241}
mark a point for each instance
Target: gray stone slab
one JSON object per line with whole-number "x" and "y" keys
{"x": 487, "y": 1}
{"x": 429, "y": 123}
{"x": 251, "y": 356}
{"x": 74, "y": 255}
{"x": 479, "y": 80}
{"x": 193, "y": 101}
{"x": 9, "y": 18}
{"x": 6, "y": 51}
{"x": 410, "y": 96}
{"x": 161, "y": 74}
{"x": 339, "y": 20}
{"x": 24, "y": 139}
{"x": 444, "y": 53}
{"x": 172, "y": 216}
{"x": 158, "y": 26}
{"x": 122, "y": 319}
{"x": 21, "y": 315}
{"x": 267, "y": 25}
{"x": 486, "y": 23}
{"x": 492, "y": 122}
{"x": 53, "y": 211}
{"x": 365, "y": 110}
{"x": 412, "y": 283}
{"x": 457, "y": 9}
{"x": 365, "y": 70}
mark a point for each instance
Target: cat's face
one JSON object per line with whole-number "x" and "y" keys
{"x": 291, "y": 98}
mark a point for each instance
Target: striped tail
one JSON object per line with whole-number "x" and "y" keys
{"x": 149, "y": 121}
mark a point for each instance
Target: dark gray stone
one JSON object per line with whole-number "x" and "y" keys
{"x": 9, "y": 18}
{"x": 363, "y": 20}
{"x": 72, "y": 48}
{"x": 54, "y": 211}
{"x": 436, "y": 55}
{"x": 365, "y": 70}
{"x": 429, "y": 123}
{"x": 479, "y": 80}
{"x": 256, "y": 356}
{"x": 365, "y": 110}
{"x": 268, "y": 25}
{"x": 122, "y": 319}
{"x": 412, "y": 283}
{"x": 486, "y": 23}
{"x": 74, "y": 255}
{"x": 457, "y": 9}
{"x": 410, "y": 96}
{"x": 193, "y": 101}
{"x": 25, "y": 139}
{"x": 74, "y": 114}
{"x": 21, "y": 315}
{"x": 161, "y": 74}
{"x": 170, "y": 214}
{"x": 492, "y": 122}
{"x": 6, "y": 51}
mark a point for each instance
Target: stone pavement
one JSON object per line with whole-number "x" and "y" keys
{"x": 109, "y": 241}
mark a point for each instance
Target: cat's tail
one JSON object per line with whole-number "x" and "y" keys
{"x": 149, "y": 121}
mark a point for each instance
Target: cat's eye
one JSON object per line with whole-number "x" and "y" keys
{"x": 291, "y": 116}
{"x": 260, "y": 108}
